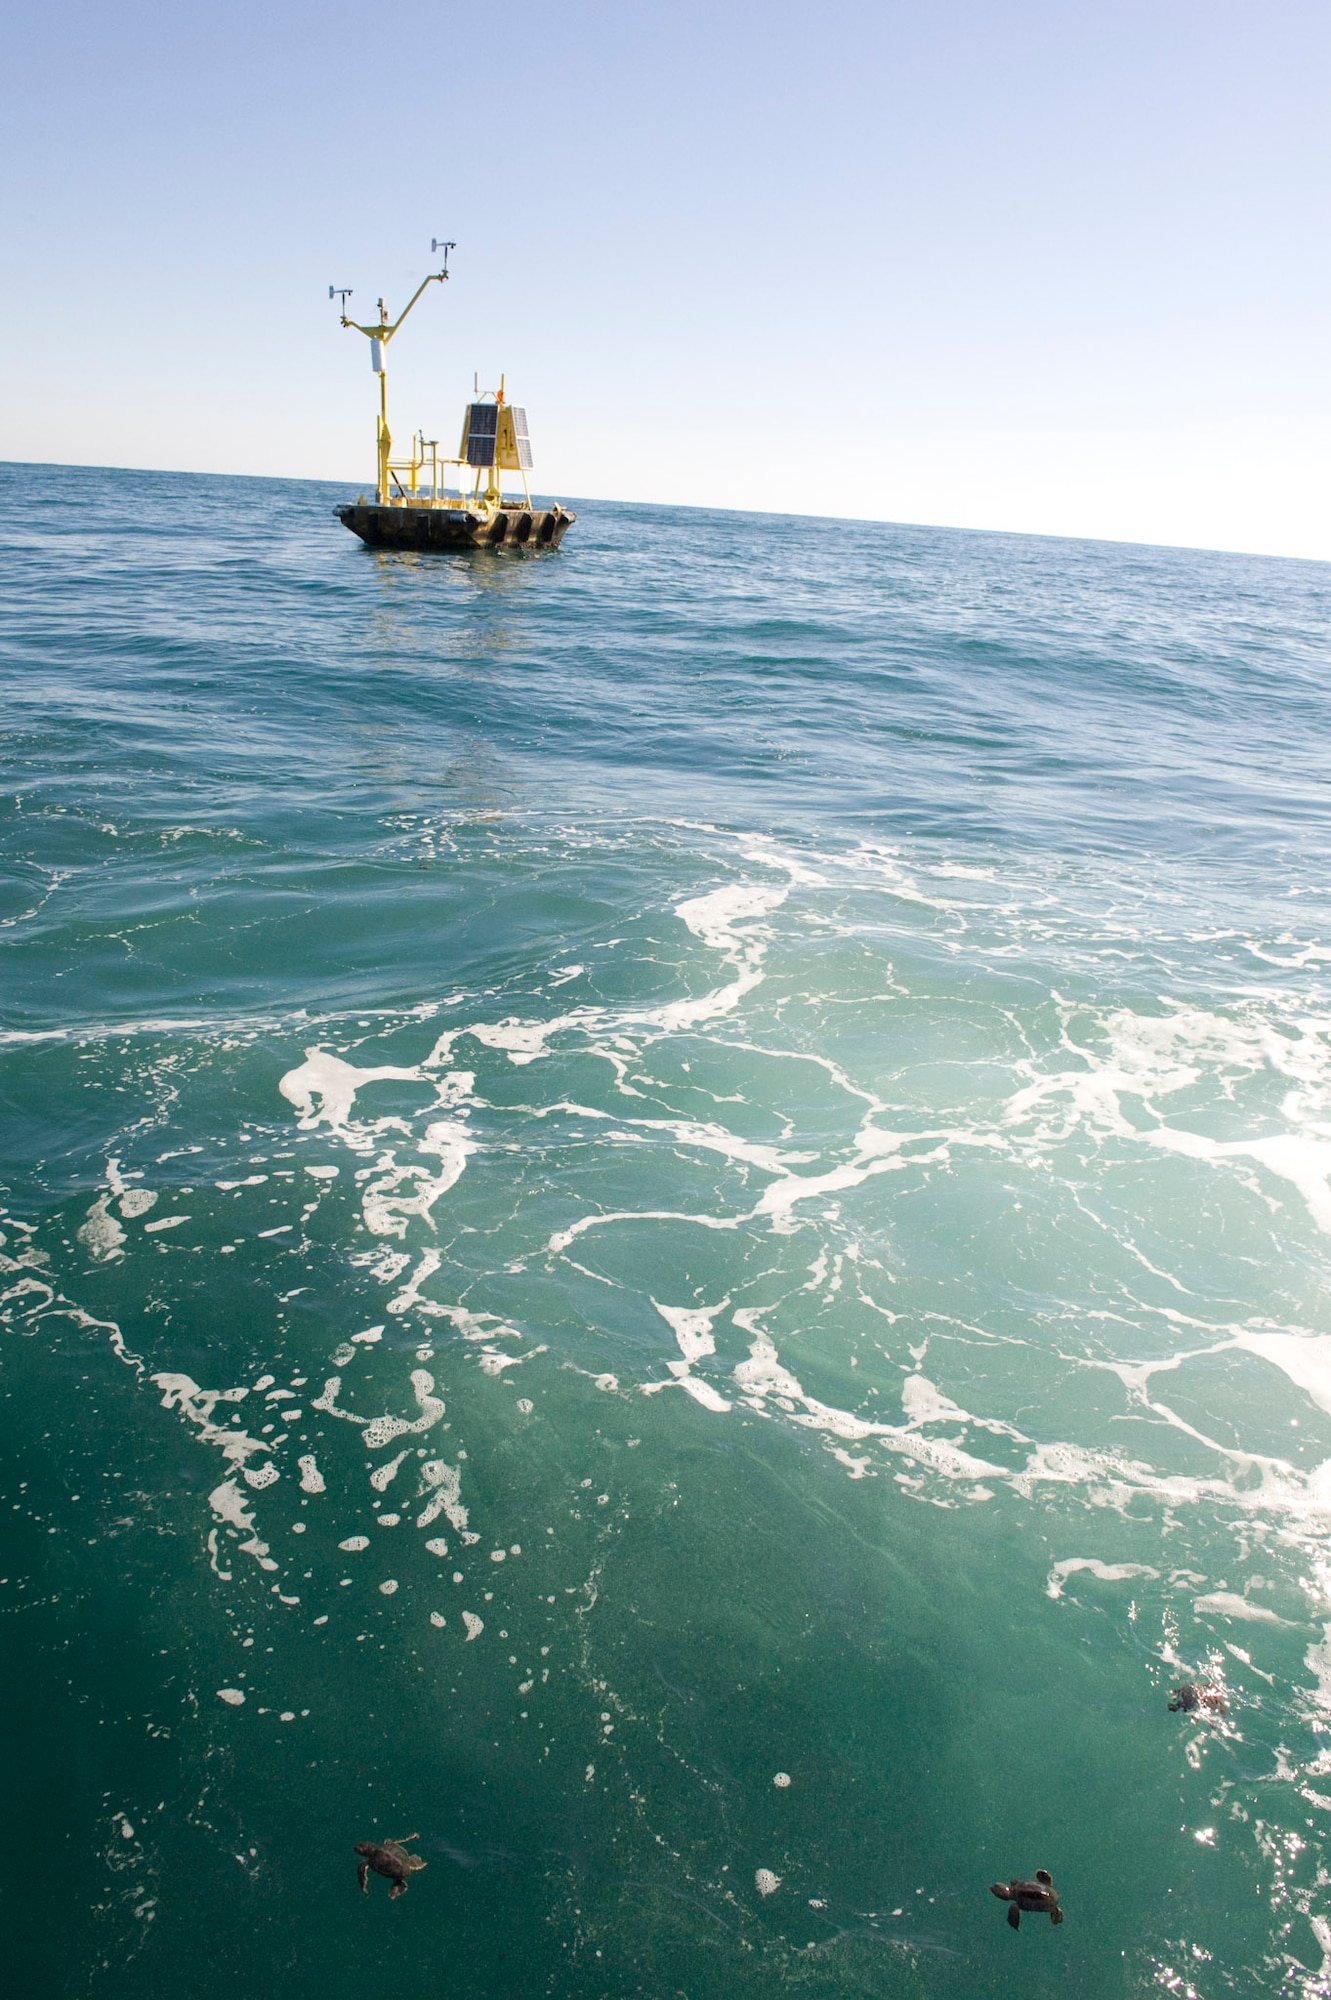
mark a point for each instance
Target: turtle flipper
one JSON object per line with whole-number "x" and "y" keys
{"x": 1014, "y": 1914}
{"x": 398, "y": 1889}
{"x": 363, "y": 1876}
{"x": 1056, "y": 1915}
{"x": 1044, "y": 1878}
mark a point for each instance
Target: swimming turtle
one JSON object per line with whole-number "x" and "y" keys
{"x": 390, "y": 1858}
{"x": 1039, "y": 1894}
{"x": 1192, "y": 1695}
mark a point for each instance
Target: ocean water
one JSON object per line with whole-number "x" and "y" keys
{"x": 666, "y": 1221}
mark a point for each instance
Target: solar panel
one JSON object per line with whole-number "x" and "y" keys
{"x": 480, "y": 431}
{"x": 514, "y": 445}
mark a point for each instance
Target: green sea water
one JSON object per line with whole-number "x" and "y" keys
{"x": 666, "y": 1221}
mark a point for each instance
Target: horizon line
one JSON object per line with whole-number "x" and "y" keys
{"x": 694, "y": 507}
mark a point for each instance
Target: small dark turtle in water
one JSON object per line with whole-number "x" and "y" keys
{"x": 1194, "y": 1695}
{"x": 390, "y": 1858}
{"x": 1039, "y": 1894}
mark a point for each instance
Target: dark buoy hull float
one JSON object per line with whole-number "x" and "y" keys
{"x": 414, "y": 506}
{"x": 405, "y": 526}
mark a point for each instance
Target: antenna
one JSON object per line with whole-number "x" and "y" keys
{"x": 437, "y": 243}
{"x": 342, "y": 292}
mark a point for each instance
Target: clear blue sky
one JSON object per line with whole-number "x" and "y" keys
{"x": 1049, "y": 267}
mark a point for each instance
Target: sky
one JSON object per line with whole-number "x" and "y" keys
{"x": 1054, "y": 268}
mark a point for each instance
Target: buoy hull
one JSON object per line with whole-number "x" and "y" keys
{"x": 456, "y": 527}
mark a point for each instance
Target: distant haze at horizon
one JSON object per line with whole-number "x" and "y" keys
{"x": 1016, "y": 268}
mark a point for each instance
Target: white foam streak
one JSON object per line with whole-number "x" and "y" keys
{"x": 101, "y": 1235}
{"x": 386, "y": 1212}
{"x": 323, "y": 1089}
{"x": 196, "y": 1405}
{"x": 1226, "y": 1604}
{"x": 692, "y": 1328}
{"x": 1305, "y": 1358}
{"x": 563, "y": 1237}
{"x": 714, "y": 918}
{"x": 762, "y": 1376}
{"x": 1149, "y": 1057}
{"x": 493, "y": 1361}
{"x": 335, "y": 1083}
{"x": 1304, "y": 1162}
{"x": 1108, "y": 1572}
{"x": 409, "y": 1298}
{"x": 441, "y": 1489}
{"x": 230, "y": 1506}
{"x": 1259, "y": 1485}
{"x": 382, "y": 1430}
{"x": 702, "y": 1392}
{"x": 1119, "y": 1076}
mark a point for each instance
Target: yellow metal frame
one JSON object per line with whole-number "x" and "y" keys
{"x": 406, "y": 474}
{"x": 380, "y": 336}
{"x": 505, "y": 458}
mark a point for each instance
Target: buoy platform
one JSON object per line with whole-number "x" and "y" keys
{"x": 417, "y": 505}
{"x": 426, "y": 527}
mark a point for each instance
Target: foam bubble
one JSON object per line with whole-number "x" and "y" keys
{"x": 692, "y": 1327}
{"x": 1225, "y": 1604}
{"x": 443, "y": 1484}
{"x": 196, "y": 1405}
{"x": 335, "y": 1083}
{"x": 383, "y": 1475}
{"x": 1108, "y": 1572}
{"x": 386, "y": 1211}
{"x": 1304, "y": 1357}
{"x": 382, "y": 1430}
{"x": 101, "y": 1235}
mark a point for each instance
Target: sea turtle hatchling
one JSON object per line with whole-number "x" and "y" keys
{"x": 1038, "y": 1894}
{"x": 390, "y": 1858}
{"x": 1198, "y": 1695}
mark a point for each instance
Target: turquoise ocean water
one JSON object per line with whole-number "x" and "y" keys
{"x": 666, "y": 1219}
